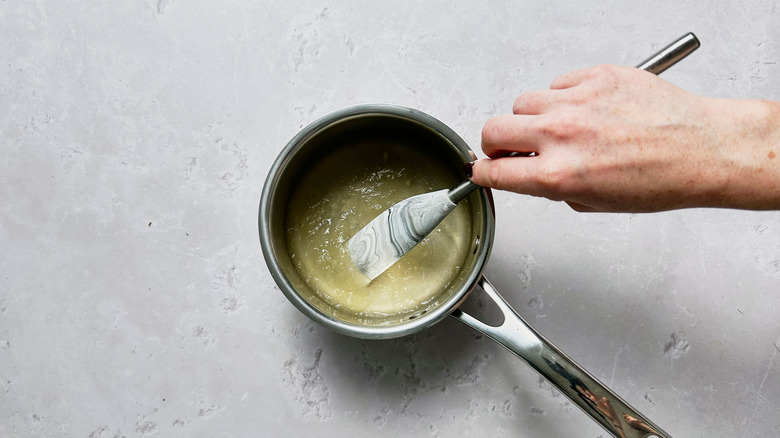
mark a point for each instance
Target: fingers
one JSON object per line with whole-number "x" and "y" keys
{"x": 605, "y": 74}
{"x": 508, "y": 173}
{"x": 569, "y": 80}
{"x": 560, "y": 92}
{"x": 510, "y": 133}
{"x": 578, "y": 77}
{"x": 534, "y": 102}
{"x": 523, "y": 175}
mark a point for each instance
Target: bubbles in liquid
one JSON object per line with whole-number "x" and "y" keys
{"x": 340, "y": 195}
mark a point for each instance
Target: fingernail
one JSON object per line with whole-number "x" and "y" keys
{"x": 468, "y": 169}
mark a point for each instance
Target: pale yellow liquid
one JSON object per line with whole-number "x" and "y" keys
{"x": 344, "y": 192}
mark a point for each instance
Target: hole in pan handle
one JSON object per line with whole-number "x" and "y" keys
{"x": 614, "y": 414}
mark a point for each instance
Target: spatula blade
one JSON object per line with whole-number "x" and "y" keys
{"x": 389, "y": 236}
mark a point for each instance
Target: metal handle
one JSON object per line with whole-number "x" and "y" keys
{"x": 457, "y": 193}
{"x": 592, "y": 396}
{"x": 671, "y": 54}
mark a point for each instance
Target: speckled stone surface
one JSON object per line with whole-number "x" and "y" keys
{"x": 134, "y": 299}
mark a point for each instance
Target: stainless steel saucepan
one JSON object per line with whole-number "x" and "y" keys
{"x": 316, "y": 140}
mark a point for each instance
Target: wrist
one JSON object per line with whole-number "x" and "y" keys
{"x": 748, "y": 143}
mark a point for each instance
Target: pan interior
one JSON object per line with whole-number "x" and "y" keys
{"x": 339, "y": 179}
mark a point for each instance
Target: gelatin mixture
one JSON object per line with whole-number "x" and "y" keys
{"x": 342, "y": 193}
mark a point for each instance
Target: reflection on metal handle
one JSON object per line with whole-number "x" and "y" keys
{"x": 593, "y": 397}
{"x": 671, "y": 54}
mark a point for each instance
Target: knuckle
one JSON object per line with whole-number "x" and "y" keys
{"x": 609, "y": 74}
{"x": 601, "y": 69}
{"x": 567, "y": 125}
{"x": 496, "y": 174}
{"x": 582, "y": 96}
{"x": 554, "y": 127}
{"x": 548, "y": 128}
{"x": 604, "y": 70}
{"x": 551, "y": 179}
{"x": 570, "y": 124}
{"x": 558, "y": 182}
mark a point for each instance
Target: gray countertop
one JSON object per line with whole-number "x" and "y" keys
{"x": 134, "y": 299}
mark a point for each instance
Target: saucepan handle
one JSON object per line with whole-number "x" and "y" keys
{"x": 592, "y": 396}
{"x": 670, "y": 55}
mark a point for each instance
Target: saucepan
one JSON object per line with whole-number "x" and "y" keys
{"x": 317, "y": 141}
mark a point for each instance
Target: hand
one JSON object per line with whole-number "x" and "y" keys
{"x": 611, "y": 138}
